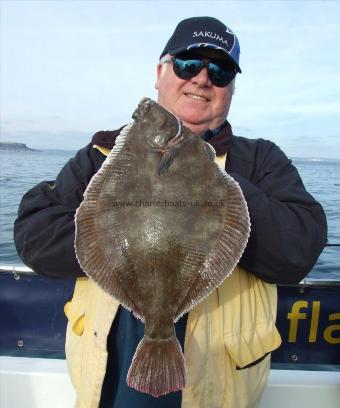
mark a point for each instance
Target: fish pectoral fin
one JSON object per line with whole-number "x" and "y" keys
{"x": 166, "y": 161}
{"x": 210, "y": 151}
{"x": 169, "y": 153}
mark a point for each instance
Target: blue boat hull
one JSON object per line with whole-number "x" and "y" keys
{"x": 33, "y": 323}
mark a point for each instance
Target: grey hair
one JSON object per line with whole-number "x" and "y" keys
{"x": 164, "y": 64}
{"x": 165, "y": 58}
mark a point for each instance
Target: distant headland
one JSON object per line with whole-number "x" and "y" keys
{"x": 14, "y": 146}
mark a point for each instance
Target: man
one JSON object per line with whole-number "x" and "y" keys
{"x": 228, "y": 338}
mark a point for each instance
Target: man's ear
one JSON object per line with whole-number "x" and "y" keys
{"x": 159, "y": 74}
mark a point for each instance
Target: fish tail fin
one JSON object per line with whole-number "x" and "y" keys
{"x": 157, "y": 367}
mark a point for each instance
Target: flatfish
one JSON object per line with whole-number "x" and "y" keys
{"x": 160, "y": 227}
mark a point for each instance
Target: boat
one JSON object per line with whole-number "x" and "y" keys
{"x": 305, "y": 370}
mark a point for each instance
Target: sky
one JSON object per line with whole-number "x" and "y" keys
{"x": 71, "y": 68}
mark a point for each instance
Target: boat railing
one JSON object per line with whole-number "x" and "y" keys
{"x": 18, "y": 269}
{"x": 24, "y": 270}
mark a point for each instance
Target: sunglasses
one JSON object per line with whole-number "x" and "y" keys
{"x": 188, "y": 68}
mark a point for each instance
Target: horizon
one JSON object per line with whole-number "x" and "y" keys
{"x": 70, "y": 69}
{"x": 310, "y": 158}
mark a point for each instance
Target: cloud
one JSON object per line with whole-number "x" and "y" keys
{"x": 71, "y": 68}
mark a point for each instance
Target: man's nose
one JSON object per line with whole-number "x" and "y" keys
{"x": 202, "y": 78}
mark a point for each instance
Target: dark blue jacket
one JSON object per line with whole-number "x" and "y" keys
{"x": 288, "y": 226}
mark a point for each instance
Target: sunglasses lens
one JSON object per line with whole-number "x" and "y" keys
{"x": 220, "y": 76}
{"x": 186, "y": 69}
{"x": 189, "y": 68}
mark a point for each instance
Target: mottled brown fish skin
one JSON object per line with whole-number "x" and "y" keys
{"x": 166, "y": 248}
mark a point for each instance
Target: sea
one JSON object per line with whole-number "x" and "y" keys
{"x": 21, "y": 170}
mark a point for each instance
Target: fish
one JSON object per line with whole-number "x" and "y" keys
{"x": 160, "y": 227}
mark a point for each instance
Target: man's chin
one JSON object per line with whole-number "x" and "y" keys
{"x": 191, "y": 118}
{"x": 197, "y": 128}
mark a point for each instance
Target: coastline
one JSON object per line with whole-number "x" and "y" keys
{"x": 14, "y": 146}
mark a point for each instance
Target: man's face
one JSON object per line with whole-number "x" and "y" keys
{"x": 200, "y": 104}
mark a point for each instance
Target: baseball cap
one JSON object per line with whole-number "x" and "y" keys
{"x": 204, "y": 32}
